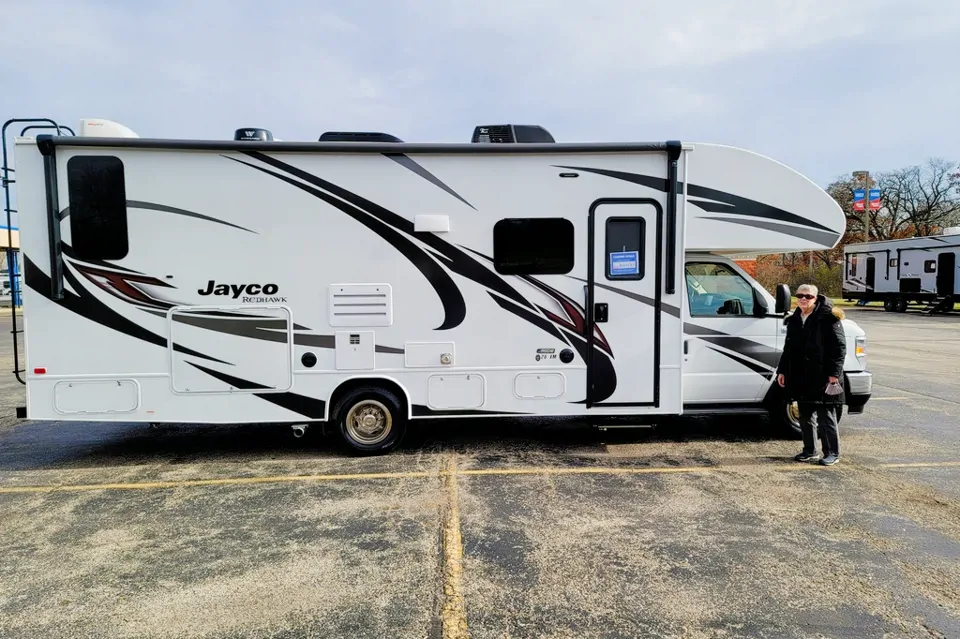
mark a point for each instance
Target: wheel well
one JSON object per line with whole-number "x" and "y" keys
{"x": 370, "y": 382}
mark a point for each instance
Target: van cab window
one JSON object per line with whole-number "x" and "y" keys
{"x": 716, "y": 290}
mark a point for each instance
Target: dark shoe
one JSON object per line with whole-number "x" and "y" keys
{"x": 805, "y": 457}
{"x": 829, "y": 460}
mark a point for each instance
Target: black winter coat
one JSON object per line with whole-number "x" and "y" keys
{"x": 814, "y": 351}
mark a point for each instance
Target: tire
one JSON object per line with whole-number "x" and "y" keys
{"x": 888, "y": 305}
{"x": 370, "y": 420}
{"x": 900, "y": 305}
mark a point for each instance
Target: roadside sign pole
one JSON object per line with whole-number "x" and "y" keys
{"x": 865, "y": 175}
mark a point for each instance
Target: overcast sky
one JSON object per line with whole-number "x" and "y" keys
{"x": 825, "y": 86}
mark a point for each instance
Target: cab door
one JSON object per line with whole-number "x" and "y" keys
{"x": 731, "y": 343}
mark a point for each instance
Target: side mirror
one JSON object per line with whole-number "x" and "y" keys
{"x": 783, "y": 299}
{"x": 760, "y": 308}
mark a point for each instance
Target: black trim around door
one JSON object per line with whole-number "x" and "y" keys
{"x": 657, "y": 306}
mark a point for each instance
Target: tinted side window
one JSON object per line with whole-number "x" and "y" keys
{"x": 533, "y": 246}
{"x": 930, "y": 266}
{"x": 625, "y": 237}
{"x": 98, "y": 207}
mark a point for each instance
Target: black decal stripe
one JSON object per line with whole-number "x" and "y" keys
{"x": 530, "y": 317}
{"x": 255, "y": 328}
{"x": 604, "y": 373}
{"x": 649, "y": 301}
{"x": 658, "y": 184}
{"x": 454, "y": 306}
{"x": 804, "y": 233}
{"x": 766, "y": 355}
{"x": 756, "y": 368}
{"x": 329, "y": 341}
{"x": 136, "y": 204}
{"x": 752, "y": 208}
{"x": 424, "y": 411}
{"x": 151, "y": 206}
{"x": 94, "y": 310}
{"x": 457, "y": 261}
{"x": 734, "y": 204}
{"x": 409, "y": 163}
{"x": 301, "y": 404}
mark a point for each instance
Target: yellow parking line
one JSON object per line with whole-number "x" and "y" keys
{"x": 941, "y": 464}
{"x": 647, "y": 470}
{"x": 453, "y": 616}
{"x": 545, "y": 470}
{"x": 225, "y": 481}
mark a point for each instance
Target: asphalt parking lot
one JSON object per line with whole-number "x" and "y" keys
{"x": 705, "y": 529}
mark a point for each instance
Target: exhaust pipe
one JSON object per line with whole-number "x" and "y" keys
{"x": 299, "y": 430}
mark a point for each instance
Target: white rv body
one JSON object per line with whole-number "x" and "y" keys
{"x": 897, "y": 272}
{"x": 261, "y": 281}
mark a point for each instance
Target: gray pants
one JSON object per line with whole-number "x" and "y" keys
{"x": 823, "y": 416}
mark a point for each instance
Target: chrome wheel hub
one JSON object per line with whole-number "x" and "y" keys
{"x": 369, "y": 421}
{"x": 793, "y": 414}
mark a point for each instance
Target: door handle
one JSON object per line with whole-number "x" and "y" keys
{"x": 600, "y": 312}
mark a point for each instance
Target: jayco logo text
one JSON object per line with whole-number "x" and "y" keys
{"x": 246, "y": 293}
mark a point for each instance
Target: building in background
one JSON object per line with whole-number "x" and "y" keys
{"x": 10, "y": 267}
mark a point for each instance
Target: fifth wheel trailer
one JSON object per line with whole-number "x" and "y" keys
{"x": 366, "y": 283}
{"x": 898, "y": 272}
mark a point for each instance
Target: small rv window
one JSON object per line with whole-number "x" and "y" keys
{"x": 625, "y": 248}
{"x": 98, "y": 207}
{"x": 533, "y": 246}
{"x": 893, "y": 262}
{"x": 930, "y": 266}
{"x": 853, "y": 265}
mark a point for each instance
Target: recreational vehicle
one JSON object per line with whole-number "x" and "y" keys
{"x": 361, "y": 281}
{"x": 897, "y": 272}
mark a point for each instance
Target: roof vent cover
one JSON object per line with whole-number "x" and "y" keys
{"x": 510, "y": 134}
{"x": 251, "y": 134}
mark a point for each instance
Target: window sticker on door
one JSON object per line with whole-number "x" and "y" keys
{"x": 625, "y": 263}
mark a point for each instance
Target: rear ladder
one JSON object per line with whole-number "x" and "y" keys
{"x": 13, "y": 264}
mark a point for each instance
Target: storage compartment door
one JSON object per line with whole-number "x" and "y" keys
{"x": 253, "y": 344}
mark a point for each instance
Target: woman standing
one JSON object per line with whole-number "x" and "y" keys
{"x": 811, "y": 371}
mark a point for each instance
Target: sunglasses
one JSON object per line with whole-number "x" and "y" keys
{"x": 806, "y": 296}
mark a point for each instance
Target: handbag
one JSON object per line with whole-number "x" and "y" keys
{"x": 834, "y": 388}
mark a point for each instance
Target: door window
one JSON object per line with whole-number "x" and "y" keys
{"x": 625, "y": 240}
{"x": 716, "y": 290}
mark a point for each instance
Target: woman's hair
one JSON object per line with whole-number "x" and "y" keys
{"x": 808, "y": 287}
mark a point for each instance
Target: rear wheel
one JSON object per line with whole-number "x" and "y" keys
{"x": 888, "y": 305}
{"x": 900, "y": 305}
{"x": 371, "y": 421}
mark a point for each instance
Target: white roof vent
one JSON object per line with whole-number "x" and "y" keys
{"x": 951, "y": 230}
{"x": 99, "y": 128}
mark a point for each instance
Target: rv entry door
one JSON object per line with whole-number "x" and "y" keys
{"x": 623, "y": 302}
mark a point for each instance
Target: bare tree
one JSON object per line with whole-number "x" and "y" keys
{"x": 918, "y": 200}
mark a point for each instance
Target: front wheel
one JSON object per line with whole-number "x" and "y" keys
{"x": 370, "y": 420}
